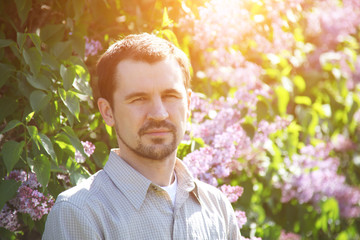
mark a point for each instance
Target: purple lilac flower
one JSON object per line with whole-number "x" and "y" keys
{"x": 28, "y": 199}
{"x": 92, "y": 47}
{"x": 232, "y": 192}
{"x": 330, "y": 21}
{"x": 313, "y": 176}
{"x": 89, "y": 149}
{"x": 289, "y": 236}
{"x": 241, "y": 218}
{"x": 343, "y": 144}
{"x": 28, "y": 179}
{"x": 237, "y": 26}
{"x": 32, "y": 202}
{"x": 226, "y": 139}
{"x": 9, "y": 218}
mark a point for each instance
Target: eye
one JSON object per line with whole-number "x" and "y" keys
{"x": 138, "y": 99}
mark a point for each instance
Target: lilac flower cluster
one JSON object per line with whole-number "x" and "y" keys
{"x": 289, "y": 236}
{"x": 219, "y": 124}
{"x": 32, "y": 202}
{"x": 328, "y": 24}
{"x": 239, "y": 27}
{"x": 232, "y": 192}
{"x": 28, "y": 200}
{"x": 328, "y": 21}
{"x": 89, "y": 149}
{"x": 221, "y": 128}
{"x": 9, "y": 218}
{"x": 313, "y": 176}
{"x": 92, "y": 47}
{"x": 342, "y": 143}
{"x": 241, "y": 218}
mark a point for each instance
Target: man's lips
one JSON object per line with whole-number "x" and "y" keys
{"x": 157, "y": 131}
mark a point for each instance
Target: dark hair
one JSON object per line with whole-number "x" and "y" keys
{"x": 140, "y": 47}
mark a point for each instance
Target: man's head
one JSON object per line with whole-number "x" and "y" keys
{"x": 139, "y": 47}
{"x": 147, "y": 99}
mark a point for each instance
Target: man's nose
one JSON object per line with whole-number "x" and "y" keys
{"x": 158, "y": 110}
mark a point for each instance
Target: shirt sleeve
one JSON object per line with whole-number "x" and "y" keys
{"x": 233, "y": 227}
{"x": 67, "y": 221}
{"x": 234, "y": 231}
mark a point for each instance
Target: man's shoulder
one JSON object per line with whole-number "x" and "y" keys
{"x": 209, "y": 190}
{"x": 84, "y": 192}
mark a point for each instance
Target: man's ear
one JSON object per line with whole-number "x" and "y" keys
{"x": 106, "y": 111}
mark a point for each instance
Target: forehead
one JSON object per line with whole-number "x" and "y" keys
{"x": 133, "y": 75}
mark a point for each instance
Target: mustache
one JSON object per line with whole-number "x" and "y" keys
{"x": 156, "y": 124}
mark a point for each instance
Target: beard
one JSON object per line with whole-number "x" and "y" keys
{"x": 157, "y": 150}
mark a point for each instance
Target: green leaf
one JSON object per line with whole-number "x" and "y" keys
{"x": 100, "y": 154}
{"x": 12, "y": 124}
{"x": 63, "y": 143}
{"x": 42, "y": 169}
{"x": 300, "y": 83}
{"x": 62, "y": 50}
{"x": 303, "y": 100}
{"x": 32, "y": 58}
{"x": 38, "y": 100}
{"x": 8, "y": 190}
{"x": 170, "y": 35}
{"x": 166, "y": 21}
{"x": 68, "y": 75}
{"x": 21, "y": 39}
{"x": 36, "y": 40}
{"x": 29, "y": 117}
{"x": 48, "y": 146}
{"x": 11, "y": 152}
{"x": 249, "y": 129}
{"x": 39, "y": 82}
{"x": 262, "y": 110}
{"x": 78, "y": 7}
{"x": 52, "y": 33}
{"x": 6, "y": 71}
{"x": 51, "y": 61}
{"x": 283, "y": 99}
{"x": 5, "y": 43}
{"x": 23, "y": 8}
{"x": 34, "y": 134}
{"x": 73, "y": 139}
{"x": 78, "y": 44}
{"x": 71, "y": 101}
{"x": 8, "y": 106}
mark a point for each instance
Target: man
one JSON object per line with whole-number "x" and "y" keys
{"x": 144, "y": 191}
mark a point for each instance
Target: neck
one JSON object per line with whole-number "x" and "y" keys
{"x": 160, "y": 172}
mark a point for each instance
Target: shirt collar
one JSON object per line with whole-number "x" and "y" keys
{"x": 129, "y": 181}
{"x": 135, "y": 186}
{"x": 186, "y": 181}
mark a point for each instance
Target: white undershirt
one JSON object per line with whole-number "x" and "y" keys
{"x": 171, "y": 190}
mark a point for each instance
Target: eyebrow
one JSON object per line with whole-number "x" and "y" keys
{"x": 171, "y": 91}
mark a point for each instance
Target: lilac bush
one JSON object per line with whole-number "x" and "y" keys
{"x": 89, "y": 149}
{"x": 313, "y": 176}
{"x": 28, "y": 200}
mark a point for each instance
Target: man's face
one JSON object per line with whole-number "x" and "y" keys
{"x": 151, "y": 106}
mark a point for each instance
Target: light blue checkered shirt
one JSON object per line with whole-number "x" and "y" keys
{"x": 120, "y": 203}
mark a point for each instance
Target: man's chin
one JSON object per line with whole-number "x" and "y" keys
{"x": 156, "y": 151}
